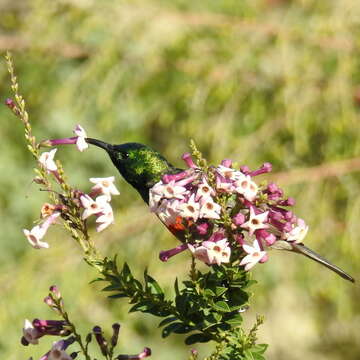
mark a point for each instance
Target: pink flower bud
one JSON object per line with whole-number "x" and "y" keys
{"x": 264, "y": 259}
{"x": 226, "y": 163}
{"x": 55, "y": 290}
{"x": 188, "y": 160}
{"x": 238, "y": 219}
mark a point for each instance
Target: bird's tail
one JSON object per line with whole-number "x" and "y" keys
{"x": 304, "y": 250}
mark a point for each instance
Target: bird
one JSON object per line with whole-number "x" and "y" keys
{"x": 142, "y": 167}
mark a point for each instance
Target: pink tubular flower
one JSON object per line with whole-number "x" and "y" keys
{"x": 175, "y": 177}
{"x": 189, "y": 161}
{"x": 238, "y": 219}
{"x": 79, "y": 140}
{"x": 255, "y": 254}
{"x": 227, "y": 163}
{"x": 166, "y": 255}
{"x": 202, "y": 228}
{"x": 266, "y": 236}
{"x": 145, "y": 353}
{"x": 267, "y": 167}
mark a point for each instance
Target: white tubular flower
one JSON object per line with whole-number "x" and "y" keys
{"x": 154, "y": 201}
{"x": 34, "y": 237}
{"x": 255, "y": 254}
{"x": 168, "y": 191}
{"x": 81, "y": 134}
{"x": 168, "y": 211}
{"x": 229, "y": 173}
{"x": 105, "y": 219}
{"x": 204, "y": 191}
{"x": 47, "y": 160}
{"x": 105, "y": 186}
{"x": 200, "y": 253}
{"x": 210, "y": 209}
{"x": 298, "y": 233}
{"x": 57, "y": 353}
{"x": 190, "y": 208}
{"x": 31, "y": 335}
{"x": 212, "y": 252}
{"x": 246, "y": 187}
{"x": 256, "y": 222}
{"x": 92, "y": 207}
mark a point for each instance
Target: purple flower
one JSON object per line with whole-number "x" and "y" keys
{"x": 202, "y": 228}
{"x": 145, "y": 353}
{"x": 166, "y": 255}
{"x": 267, "y": 167}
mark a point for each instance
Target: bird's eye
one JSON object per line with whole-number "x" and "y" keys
{"x": 125, "y": 155}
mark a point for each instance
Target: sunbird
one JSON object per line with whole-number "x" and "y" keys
{"x": 143, "y": 167}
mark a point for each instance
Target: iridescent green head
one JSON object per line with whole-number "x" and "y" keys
{"x": 139, "y": 165}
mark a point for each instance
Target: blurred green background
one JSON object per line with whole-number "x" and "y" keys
{"x": 252, "y": 80}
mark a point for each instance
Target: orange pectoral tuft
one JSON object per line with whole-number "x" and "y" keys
{"x": 177, "y": 225}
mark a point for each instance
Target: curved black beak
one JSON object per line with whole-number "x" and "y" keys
{"x": 107, "y": 147}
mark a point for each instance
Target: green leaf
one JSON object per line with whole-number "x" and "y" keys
{"x": 117, "y": 296}
{"x": 112, "y": 287}
{"x": 176, "y": 287}
{"x": 210, "y": 321}
{"x": 167, "y": 321}
{"x": 235, "y": 320}
{"x": 220, "y": 290}
{"x": 182, "y": 303}
{"x": 126, "y": 273}
{"x": 221, "y": 306}
{"x": 197, "y": 338}
{"x": 259, "y": 348}
{"x": 177, "y": 328}
{"x": 143, "y": 306}
{"x": 209, "y": 293}
{"x": 152, "y": 285}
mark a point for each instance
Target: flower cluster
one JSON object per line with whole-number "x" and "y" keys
{"x": 97, "y": 202}
{"x": 220, "y": 214}
{"x": 33, "y": 331}
{"x": 100, "y": 205}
